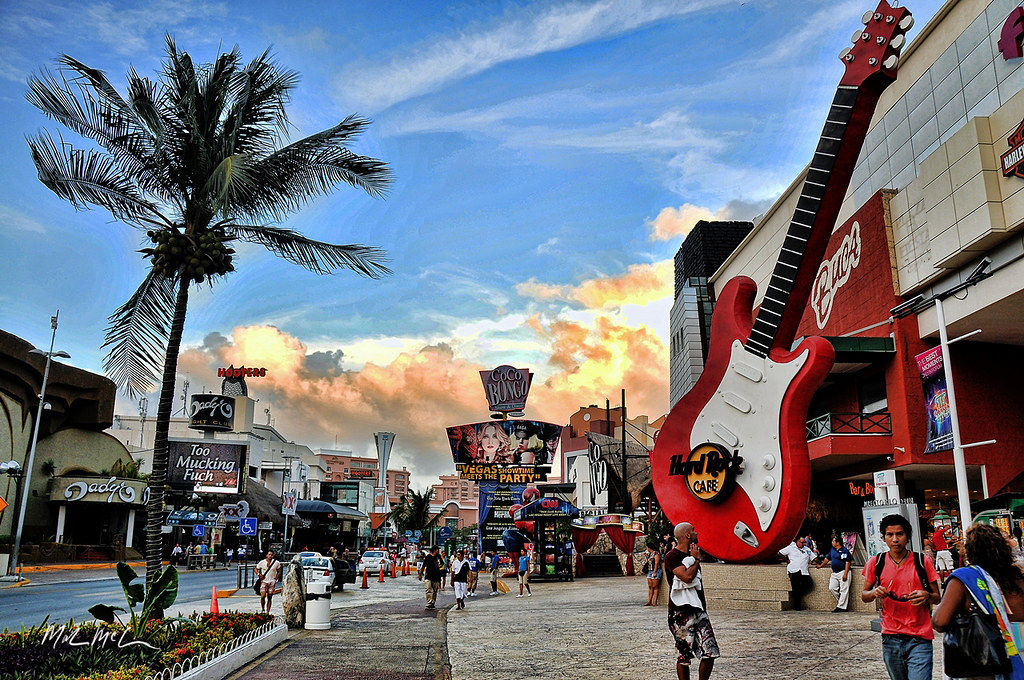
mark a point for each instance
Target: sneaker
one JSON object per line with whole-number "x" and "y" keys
{"x": 518, "y": 595}
{"x": 838, "y": 610}
{"x": 529, "y": 594}
{"x": 491, "y": 594}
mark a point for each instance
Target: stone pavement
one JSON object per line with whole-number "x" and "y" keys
{"x": 597, "y": 628}
{"x": 378, "y": 634}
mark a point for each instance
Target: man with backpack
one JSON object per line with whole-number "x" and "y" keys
{"x": 907, "y": 584}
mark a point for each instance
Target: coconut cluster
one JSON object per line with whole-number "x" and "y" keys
{"x": 197, "y": 256}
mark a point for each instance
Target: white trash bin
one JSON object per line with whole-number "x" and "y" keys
{"x": 318, "y": 605}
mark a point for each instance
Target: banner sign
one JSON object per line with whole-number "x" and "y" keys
{"x": 506, "y": 388}
{"x": 380, "y": 497}
{"x": 206, "y": 466}
{"x": 288, "y": 504}
{"x": 547, "y": 508}
{"x": 508, "y": 442}
{"x": 503, "y": 474}
{"x": 191, "y": 518}
{"x": 362, "y": 473}
{"x": 936, "y": 401}
{"x": 495, "y": 512}
{"x": 1013, "y": 160}
{"x": 92, "y": 490}
{"x": 214, "y": 412}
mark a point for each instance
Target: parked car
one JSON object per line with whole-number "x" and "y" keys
{"x": 318, "y": 568}
{"x": 343, "y": 573}
{"x": 371, "y": 561}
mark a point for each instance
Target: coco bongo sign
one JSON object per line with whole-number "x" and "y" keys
{"x": 506, "y": 388}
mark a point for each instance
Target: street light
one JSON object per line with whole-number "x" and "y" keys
{"x": 26, "y": 482}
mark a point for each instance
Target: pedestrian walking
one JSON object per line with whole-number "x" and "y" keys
{"x": 652, "y": 568}
{"x": 995, "y": 584}
{"x": 474, "y": 574}
{"x": 907, "y": 584}
{"x": 799, "y": 556}
{"x": 176, "y": 552}
{"x": 839, "y": 582}
{"x": 524, "y": 575}
{"x": 943, "y": 556}
{"x": 431, "y": 572}
{"x": 230, "y": 555}
{"x": 688, "y": 619}
{"x": 269, "y": 572}
{"x": 495, "y": 563}
{"x": 460, "y": 578}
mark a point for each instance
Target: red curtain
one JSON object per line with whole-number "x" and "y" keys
{"x": 584, "y": 539}
{"x": 624, "y": 541}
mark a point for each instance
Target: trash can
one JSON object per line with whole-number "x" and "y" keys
{"x": 318, "y": 605}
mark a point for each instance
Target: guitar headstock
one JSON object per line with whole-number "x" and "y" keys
{"x": 876, "y": 47}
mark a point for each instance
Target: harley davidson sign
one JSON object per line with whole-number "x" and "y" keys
{"x": 506, "y": 388}
{"x": 1013, "y": 160}
{"x": 211, "y": 412}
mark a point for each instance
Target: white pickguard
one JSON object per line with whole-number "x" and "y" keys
{"x": 743, "y": 416}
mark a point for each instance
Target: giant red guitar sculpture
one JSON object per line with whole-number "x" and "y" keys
{"x": 732, "y": 456}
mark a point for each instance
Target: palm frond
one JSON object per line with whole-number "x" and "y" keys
{"x": 229, "y": 182}
{"x": 90, "y": 177}
{"x": 316, "y": 256}
{"x": 137, "y": 335}
{"x": 98, "y": 80}
{"x": 257, "y": 120}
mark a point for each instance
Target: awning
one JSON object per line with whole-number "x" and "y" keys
{"x": 547, "y": 508}
{"x": 325, "y": 510}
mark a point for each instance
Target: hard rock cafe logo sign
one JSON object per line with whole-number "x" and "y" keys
{"x": 833, "y": 274}
{"x": 710, "y": 471}
{"x": 1013, "y": 160}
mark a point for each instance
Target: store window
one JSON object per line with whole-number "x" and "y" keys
{"x": 871, "y": 395}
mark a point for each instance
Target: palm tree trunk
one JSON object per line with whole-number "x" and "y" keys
{"x": 158, "y": 480}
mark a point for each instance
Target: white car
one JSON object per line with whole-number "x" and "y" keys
{"x": 371, "y": 561}
{"x": 318, "y": 568}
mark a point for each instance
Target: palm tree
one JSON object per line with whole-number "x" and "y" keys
{"x": 413, "y": 511}
{"x": 196, "y": 159}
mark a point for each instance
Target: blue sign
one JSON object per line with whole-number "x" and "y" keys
{"x": 417, "y": 533}
{"x": 444, "y": 534}
{"x": 199, "y": 530}
{"x": 247, "y": 526}
{"x": 408, "y": 533}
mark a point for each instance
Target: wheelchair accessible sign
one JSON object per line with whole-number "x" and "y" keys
{"x": 247, "y": 526}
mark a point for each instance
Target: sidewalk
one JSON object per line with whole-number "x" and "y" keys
{"x": 598, "y": 629}
{"x": 85, "y": 573}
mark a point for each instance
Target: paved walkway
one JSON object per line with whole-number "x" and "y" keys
{"x": 598, "y": 628}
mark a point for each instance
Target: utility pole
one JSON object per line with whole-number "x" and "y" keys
{"x": 626, "y": 500}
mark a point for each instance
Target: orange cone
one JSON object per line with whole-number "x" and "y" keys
{"x": 381, "y": 579}
{"x": 214, "y": 607}
{"x": 365, "y": 584}
{"x": 394, "y": 569}
{"x": 405, "y": 568}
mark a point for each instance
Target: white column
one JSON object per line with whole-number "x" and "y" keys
{"x": 131, "y": 528}
{"x": 61, "y": 514}
{"x": 959, "y": 464}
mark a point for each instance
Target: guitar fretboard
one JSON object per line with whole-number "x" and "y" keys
{"x": 806, "y": 227}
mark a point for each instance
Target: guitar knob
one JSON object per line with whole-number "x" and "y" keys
{"x": 768, "y": 461}
{"x": 866, "y": 18}
{"x": 769, "y": 483}
{"x": 891, "y": 61}
{"x": 907, "y": 23}
{"x": 764, "y": 504}
{"x": 897, "y": 42}
{"x": 845, "y": 54}
{"x": 856, "y": 37}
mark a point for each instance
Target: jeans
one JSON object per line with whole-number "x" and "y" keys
{"x": 800, "y": 584}
{"x": 907, "y": 657}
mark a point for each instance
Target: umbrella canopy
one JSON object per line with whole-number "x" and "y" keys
{"x": 325, "y": 510}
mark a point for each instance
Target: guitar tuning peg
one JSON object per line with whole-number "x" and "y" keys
{"x": 872, "y": 61}
{"x": 880, "y": 40}
{"x": 891, "y": 61}
{"x": 907, "y": 22}
{"x": 866, "y": 18}
{"x": 846, "y": 55}
{"x": 897, "y": 42}
{"x": 855, "y": 38}
{"x": 889, "y": 19}
{"x": 877, "y": 16}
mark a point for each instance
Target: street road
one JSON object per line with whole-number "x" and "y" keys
{"x": 66, "y": 596}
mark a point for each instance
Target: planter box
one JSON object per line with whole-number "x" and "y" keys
{"x": 225, "y": 664}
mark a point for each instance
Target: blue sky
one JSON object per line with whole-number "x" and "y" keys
{"x": 548, "y": 159}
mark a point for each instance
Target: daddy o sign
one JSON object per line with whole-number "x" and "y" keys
{"x": 506, "y": 388}
{"x": 211, "y": 412}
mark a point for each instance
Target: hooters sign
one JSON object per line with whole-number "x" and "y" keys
{"x": 506, "y": 388}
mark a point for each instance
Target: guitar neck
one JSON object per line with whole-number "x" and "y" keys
{"x": 828, "y": 178}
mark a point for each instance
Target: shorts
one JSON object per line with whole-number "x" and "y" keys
{"x": 694, "y": 636}
{"x": 267, "y": 587}
{"x": 524, "y": 577}
{"x": 944, "y": 560}
{"x": 655, "y": 574}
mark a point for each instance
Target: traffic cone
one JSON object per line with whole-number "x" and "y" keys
{"x": 365, "y": 584}
{"x": 405, "y": 568}
{"x": 381, "y": 579}
{"x": 394, "y": 570}
{"x": 214, "y": 607}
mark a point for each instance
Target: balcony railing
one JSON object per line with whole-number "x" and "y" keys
{"x": 849, "y": 423}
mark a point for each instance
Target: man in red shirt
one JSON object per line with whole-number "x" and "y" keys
{"x": 908, "y": 586}
{"x": 943, "y": 556}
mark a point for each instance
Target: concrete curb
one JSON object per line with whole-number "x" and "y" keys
{"x": 35, "y": 568}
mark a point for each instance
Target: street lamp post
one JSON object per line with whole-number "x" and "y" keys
{"x": 27, "y": 479}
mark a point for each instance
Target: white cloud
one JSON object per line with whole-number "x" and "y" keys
{"x": 438, "y": 62}
{"x": 11, "y": 219}
{"x": 673, "y": 222}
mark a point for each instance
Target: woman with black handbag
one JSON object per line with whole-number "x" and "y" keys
{"x": 982, "y": 611}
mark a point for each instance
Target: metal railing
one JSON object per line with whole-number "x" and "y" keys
{"x": 849, "y": 423}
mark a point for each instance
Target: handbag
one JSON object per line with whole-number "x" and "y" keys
{"x": 973, "y": 644}
{"x": 256, "y": 584}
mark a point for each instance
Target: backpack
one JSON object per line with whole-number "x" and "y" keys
{"x": 918, "y": 567}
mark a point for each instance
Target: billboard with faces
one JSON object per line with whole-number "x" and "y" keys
{"x": 506, "y": 442}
